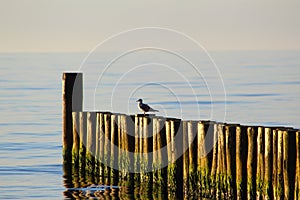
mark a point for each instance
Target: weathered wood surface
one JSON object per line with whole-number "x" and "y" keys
{"x": 71, "y": 101}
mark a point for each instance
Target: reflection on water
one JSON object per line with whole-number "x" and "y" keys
{"x": 83, "y": 183}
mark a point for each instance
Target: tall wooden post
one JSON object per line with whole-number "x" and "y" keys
{"x": 71, "y": 101}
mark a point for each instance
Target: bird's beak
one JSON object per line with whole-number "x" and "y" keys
{"x": 137, "y": 101}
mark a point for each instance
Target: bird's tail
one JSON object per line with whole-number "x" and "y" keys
{"x": 152, "y": 110}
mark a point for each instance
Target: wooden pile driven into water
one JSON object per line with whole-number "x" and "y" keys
{"x": 246, "y": 162}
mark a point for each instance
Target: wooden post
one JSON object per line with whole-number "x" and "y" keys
{"x": 162, "y": 155}
{"x": 289, "y": 162}
{"x": 130, "y": 143}
{"x": 107, "y": 146}
{"x": 202, "y": 159}
{"x": 285, "y": 164}
{"x": 213, "y": 175}
{"x": 155, "y": 142}
{"x": 274, "y": 156}
{"x": 170, "y": 163}
{"x": 83, "y": 142}
{"x": 141, "y": 143}
{"x": 230, "y": 159}
{"x": 161, "y": 140}
{"x": 251, "y": 162}
{"x": 76, "y": 139}
{"x": 238, "y": 163}
{"x": 221, "y": 150}
{"x": 124, "y": 144}
{"x": 146, "y": 143}
{"x": 192, "y": 141}
{"x": 91, "y": 138}
{"x": 100, "y": 141}
{"x": 177, "y": 137}
{"x": 297, "y": 173}
{"x": 159, "y": 178}
{"x": 219, "y": 161}
{"x": 168, "y": 138}
{"x": 121, "y": 149}
{"x": 137, "y": 152}
{"x": 221, "y": 166}
{"x": 71, "y": 101}
{"x": 114, "y": 150}
{"x": 241, "y": 160}
{"x": 268, "y": 164}
{"x": 205, "y": 140}
{"x": 98, "y": 161}
{"x": 260, "y": 163}
{"x": 215, "y": 153}
{"x": 75, "y": 150}
{"x": 280, "y": 186}
{"x": 156, "y": 164}
{"x": 146, "y": 164}
{"x": 175, "y": 148}
{"x": 185, "y": 157}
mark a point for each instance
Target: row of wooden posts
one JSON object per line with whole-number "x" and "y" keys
{"x": 176, "y": 158}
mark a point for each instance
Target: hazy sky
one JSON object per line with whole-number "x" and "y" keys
{"x": 78, "y": 25}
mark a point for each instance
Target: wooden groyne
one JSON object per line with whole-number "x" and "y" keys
{"x": 177, "y": 159}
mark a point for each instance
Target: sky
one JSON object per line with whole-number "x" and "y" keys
{"x": 77, "y": 25}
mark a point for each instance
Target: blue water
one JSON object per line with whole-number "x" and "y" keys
{"x": 262, "y": 88}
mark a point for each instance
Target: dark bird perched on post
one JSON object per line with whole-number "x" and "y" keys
{"x": 144, "y": 107}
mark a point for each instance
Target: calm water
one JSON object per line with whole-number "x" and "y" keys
{"x": 261, "y": 87}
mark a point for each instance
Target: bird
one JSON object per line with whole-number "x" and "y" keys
{"x": 144, "y": 107}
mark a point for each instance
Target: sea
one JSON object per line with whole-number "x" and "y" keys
{"x": 245, "y": 87}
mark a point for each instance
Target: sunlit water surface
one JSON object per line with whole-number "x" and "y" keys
{"x": 262, "y": 88}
